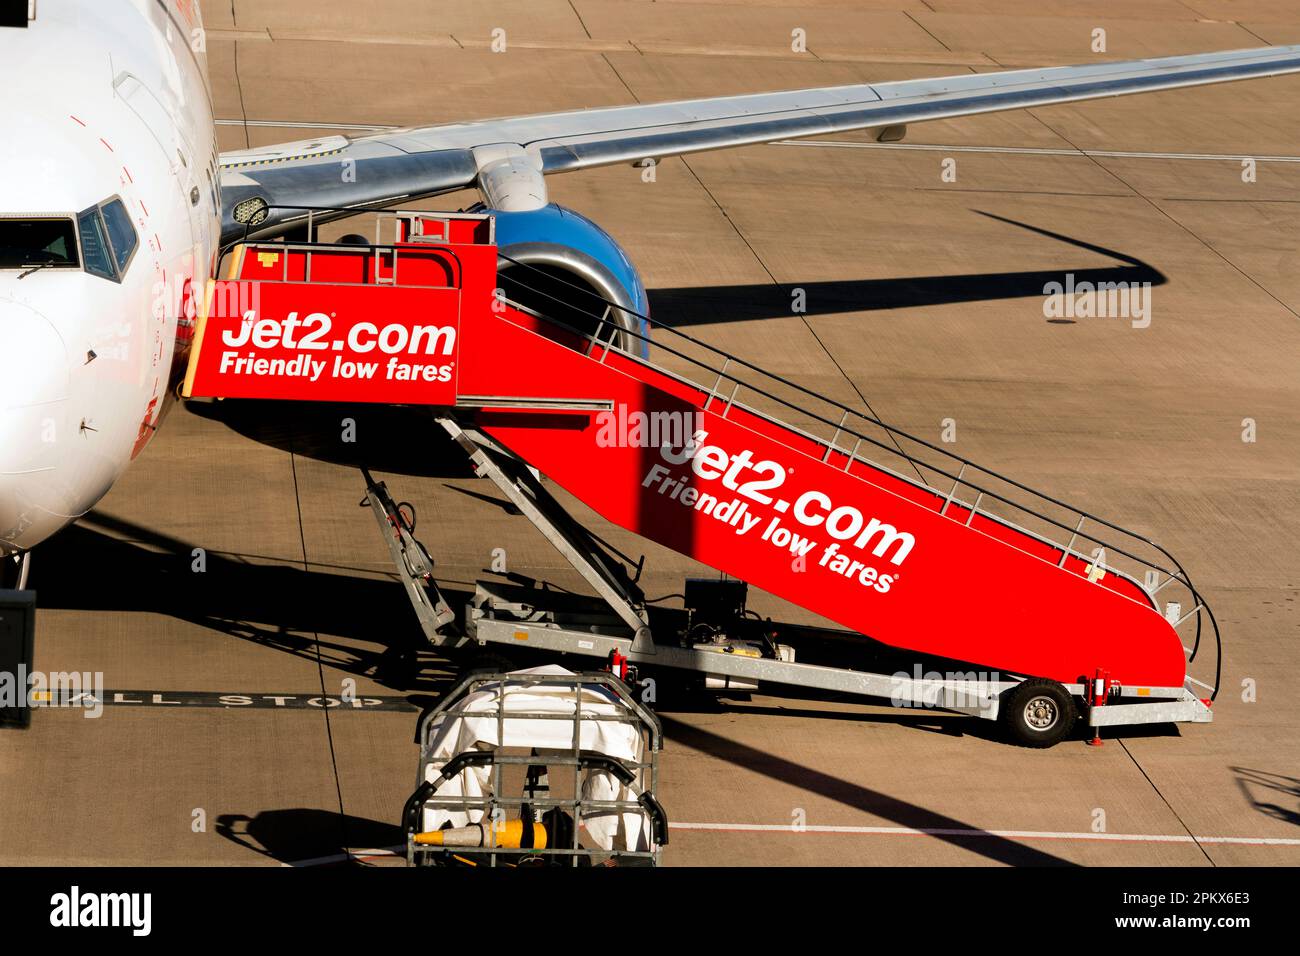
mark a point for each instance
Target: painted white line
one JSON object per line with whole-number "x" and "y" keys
{"x": 302, "y": 125}
{"x": 1035, "y": 151}
{"x": 970, "y": 832}
{"x": 395, "y": 851}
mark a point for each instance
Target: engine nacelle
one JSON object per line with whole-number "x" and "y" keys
{"x": 561, "y": 264}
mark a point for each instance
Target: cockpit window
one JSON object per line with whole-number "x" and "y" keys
{"x": 94, "y": 246}
{"x": 121, "y": 234}
{"x": 31, "y": 242}
{"x": 108, "y": 240}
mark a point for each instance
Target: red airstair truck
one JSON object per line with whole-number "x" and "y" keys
{"x": 1006, "y": 603}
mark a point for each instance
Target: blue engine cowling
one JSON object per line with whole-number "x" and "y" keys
{"x": 564, "y": 266}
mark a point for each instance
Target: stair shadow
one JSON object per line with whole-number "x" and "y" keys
{"x": 993, "y": 847}
{"x": 928, "y": 720}
{"x": 356, "y": 623}
{"x": 1252, "y": 782}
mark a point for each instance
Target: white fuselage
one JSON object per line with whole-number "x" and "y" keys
{"x": 105, "y": 99}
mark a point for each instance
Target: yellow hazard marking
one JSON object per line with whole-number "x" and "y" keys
{"x": 273, "y": 160}
{"x": 230, "y": 269}
{"x": 187, "y": 387}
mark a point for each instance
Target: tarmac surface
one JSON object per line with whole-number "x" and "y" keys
{"x": 925, "y": 300}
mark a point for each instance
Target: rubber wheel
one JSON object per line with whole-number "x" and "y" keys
{"x": 1038, "y": 713}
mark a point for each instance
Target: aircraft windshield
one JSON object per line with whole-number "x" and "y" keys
{"x": 36, "y": 242}
{"x": 108, "y": 240}
{"x": 121, "y": 234}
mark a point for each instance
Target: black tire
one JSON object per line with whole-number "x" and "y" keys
{"x": 1038, "y": 713}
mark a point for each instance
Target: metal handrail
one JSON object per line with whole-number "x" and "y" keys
{"x": 308, "y": 247}
{"x": 722, "y": 373}
{"x": 395, "y": 214}
{"x": 959, "y": 479}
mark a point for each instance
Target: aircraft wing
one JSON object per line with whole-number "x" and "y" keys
{"x": 380, "y": 169}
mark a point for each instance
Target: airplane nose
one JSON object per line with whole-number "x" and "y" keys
{"x": 33, "y": 360}
{"x": 34, "y": 377}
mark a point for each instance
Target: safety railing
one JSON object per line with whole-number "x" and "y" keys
{"x": 725, "y": 380}
{"x": 377, "y": 253}
{"x": 312, "y": 216}
{"x": 414, "y": 239}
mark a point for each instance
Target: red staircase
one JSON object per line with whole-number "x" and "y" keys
{"x": 881, "y": 532}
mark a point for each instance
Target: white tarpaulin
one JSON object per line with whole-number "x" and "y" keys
{"x": 472, "y": 725}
